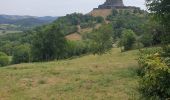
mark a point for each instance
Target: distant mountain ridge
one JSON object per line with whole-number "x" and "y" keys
{"x": 15, "y": 17}
{"x": 26, "y": 20}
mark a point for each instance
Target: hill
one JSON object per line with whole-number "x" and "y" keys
{"x": 15, "y": 23}
{"x": 15, "y": 19}
{"x": 101, "y": 12}
{"x": 110, "y": 77}
{"x": 124, "y": 18}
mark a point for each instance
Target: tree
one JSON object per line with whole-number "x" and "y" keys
{"x": 161, "y": 11}
{"x": 7, "y": 48}
{"x": 102, "y": 39}
{"x": 4, "y": 59}
{"x": 127, "y": 39}
{"x": 48, "y": 43}
{"x": 146, "y": 39}
{"x": 21, "y": 54}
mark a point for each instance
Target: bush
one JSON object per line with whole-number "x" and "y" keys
{"x": 155, "y": 76}
{"x": 76, "y": 48}
{"x": 166, "y": 51}
{"x": 4, "y": 59}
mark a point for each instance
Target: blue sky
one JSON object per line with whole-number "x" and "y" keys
{"x": 55, "y": 7}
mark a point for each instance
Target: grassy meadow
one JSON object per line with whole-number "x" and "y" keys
{"x": 110, "y": 76}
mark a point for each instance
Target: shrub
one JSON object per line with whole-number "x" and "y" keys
{"x": 155, "y": 76}
{"x": 166, "y": 51}
{"x": 76, "y": 48}
{"x": 4, "y": 59}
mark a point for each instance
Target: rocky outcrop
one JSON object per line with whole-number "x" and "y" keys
{"x": 111, "y": 4}
{"x": 115, "y": 4}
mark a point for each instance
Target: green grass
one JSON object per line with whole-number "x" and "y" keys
{"x": 110, "y": 76}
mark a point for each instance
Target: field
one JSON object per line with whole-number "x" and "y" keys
{"x": 7, "y": 32}
{"x": 8, "y": 28}
{"x": 111, "y": 76}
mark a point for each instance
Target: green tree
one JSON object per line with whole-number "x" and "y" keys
{"x": 48, "y": 43}
{"x": 161, "y": 11}
{"x": 102, "y": 39}
{"x": 146, "y": 39}
{"x": 7, "y": 48}
{"x": 4, "y": 59}
{"x": 21, "y": 54}
{"x": 127, "y": 39}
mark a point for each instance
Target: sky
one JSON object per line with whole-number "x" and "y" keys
{"x": 55, "y": 7}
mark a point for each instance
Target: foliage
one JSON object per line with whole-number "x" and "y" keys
{"x": 127, "y": 39}
{"x": 126, "y": 19}
{"x": 155, "y": 68}
{"x": 22, "y": 54}
{"x": 160, "y": 9}
{"x": 7, "y": 48}
{"x": 86, "y": 25}
{"x": 114, "y": 12}
{"x": 98, "y": 41}
{"x": 77, "y": 48}
{"x": 153, "y": 31}
{"x": 4, "y": 59}
{"x": 146, "y": 39}
{"x": 9, "y": 41}
{"x": 166, "y": 51}
{"x": 155, "y": 75}
{"x": 48, "y": 43}
{"x": 148, "y": 32}
{"x": 101, "y": 39}
{"x": 70, "y": 22}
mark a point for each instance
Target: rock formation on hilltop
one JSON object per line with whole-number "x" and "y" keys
{"x": 112, "y": 4}
{"x": 105, "y": 9}
{"x": 115, "y": 4}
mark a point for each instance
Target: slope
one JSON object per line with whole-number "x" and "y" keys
{"x": 107, "y": 77}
